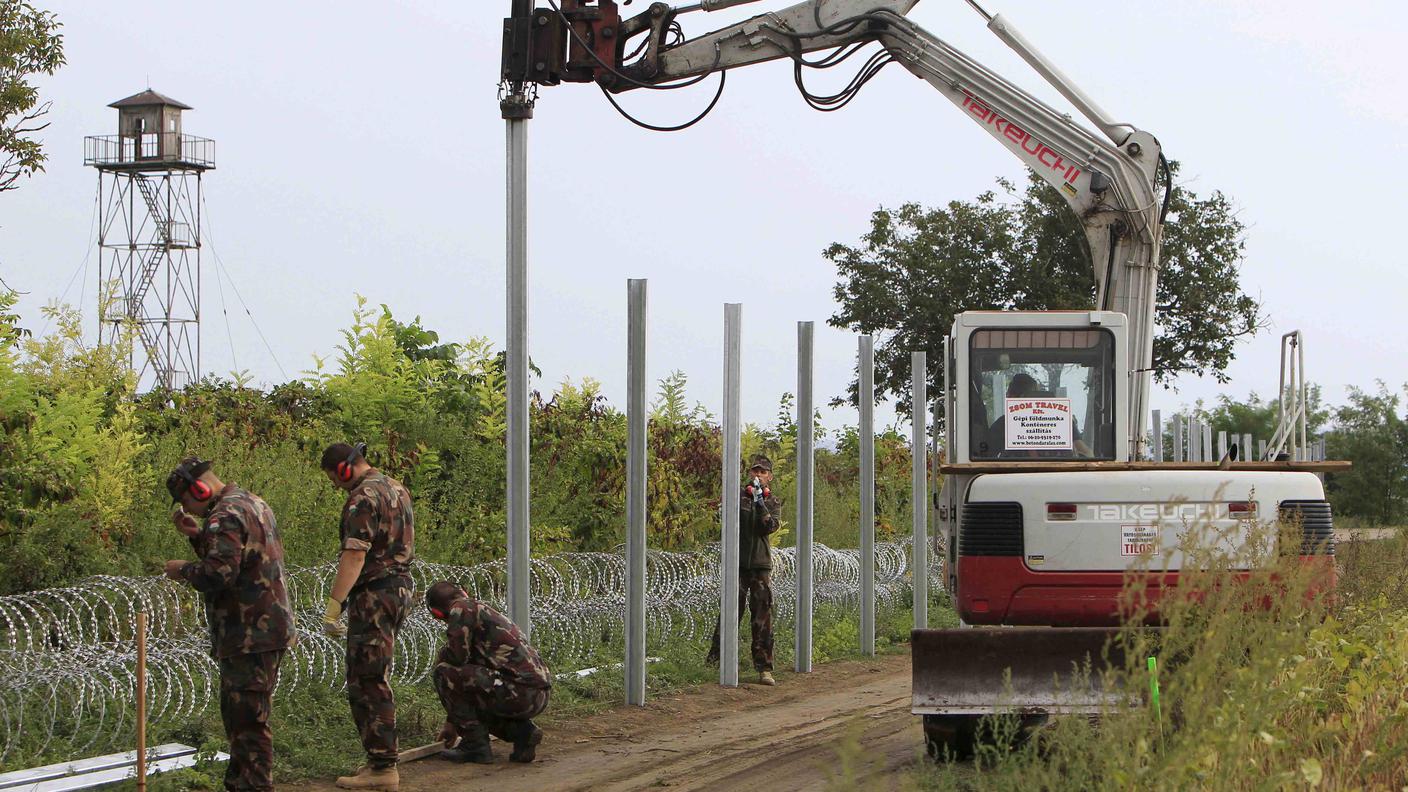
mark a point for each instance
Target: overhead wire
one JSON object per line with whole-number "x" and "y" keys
{"x": 82, "y": 267}
{"x": 229, "y": 334}
{"x": 205, "y": 211}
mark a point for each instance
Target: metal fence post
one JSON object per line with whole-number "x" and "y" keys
{"x": 919, "y": 482}
{"x": 1221, "y": 445}
{"x": 867, "y": 495}
{"x": 1207, "y": 442}
{"x": 636, "y": 461}
{"x": 806, "y": 460}
{"x": 516, "y": 363}
{"x": 1158, "y": 438}
{"x": 728, "y": 496}
{"x": 1178, "y": 452}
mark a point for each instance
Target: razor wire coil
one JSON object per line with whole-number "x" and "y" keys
{"x": 68, "y": 655}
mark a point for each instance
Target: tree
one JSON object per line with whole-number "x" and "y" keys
{"x": 30, "y": 44}
{"x": 1371, "y": 433}
{"x": 917, "y": 267}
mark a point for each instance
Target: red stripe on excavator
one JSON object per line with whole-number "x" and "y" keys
{"x": 1004, "y": 590}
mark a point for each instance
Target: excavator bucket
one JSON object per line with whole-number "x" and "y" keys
{"x": 1025, "y": 671}
{"x": 1032, "y": 673}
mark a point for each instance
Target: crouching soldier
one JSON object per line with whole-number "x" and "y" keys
{"x": 488, "y": 677}
{"x": 240, "y": 575}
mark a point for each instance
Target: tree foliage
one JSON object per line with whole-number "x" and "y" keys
{"x": 30, "y": 45}
{"x": 917, "y": 267}
{"x": 1371, "y": 431}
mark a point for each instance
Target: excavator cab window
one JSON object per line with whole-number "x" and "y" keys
{"x": 1042, "y": 394}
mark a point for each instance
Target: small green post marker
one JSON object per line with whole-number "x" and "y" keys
{"x": 1154, "y": 694}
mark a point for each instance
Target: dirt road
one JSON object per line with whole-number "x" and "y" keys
{"x": 783, "y": 738}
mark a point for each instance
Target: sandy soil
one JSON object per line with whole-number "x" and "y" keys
{"x": 782, "y": 738}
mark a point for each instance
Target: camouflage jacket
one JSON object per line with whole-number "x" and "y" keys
{"x": 241, "y": 576}
{"x": 479, "y": 635}
{"x": 378, "y": 519}
{"x": 755, "y": 523}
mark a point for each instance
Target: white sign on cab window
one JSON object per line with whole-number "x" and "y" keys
{"x": 1042, "y": 424}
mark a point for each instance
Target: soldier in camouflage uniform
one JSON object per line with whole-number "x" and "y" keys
{"x": 373, "y": 587}
{"x": 240, "y": 576}
{"x": 488, "y": 677}
{"x": 759, "y": 514}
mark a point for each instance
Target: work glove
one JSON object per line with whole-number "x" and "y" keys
{"x": 332, "y": 619}
{"x": 449, "y": 734}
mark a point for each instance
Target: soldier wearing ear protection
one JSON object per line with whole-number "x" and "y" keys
{"x": 240, "y": 575}
{"x": 373, "y": 587}
{"x": 488, "y": 677}
{"x": 759, "y": 515}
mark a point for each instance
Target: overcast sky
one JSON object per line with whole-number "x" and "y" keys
{"x": 360, "y": 150}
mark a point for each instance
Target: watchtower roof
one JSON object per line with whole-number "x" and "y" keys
{"x": 149, "y": 97}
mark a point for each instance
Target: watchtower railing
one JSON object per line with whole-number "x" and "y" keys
{"x": 148, "y": 149}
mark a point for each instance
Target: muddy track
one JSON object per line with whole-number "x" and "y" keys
{"x": 796, "y": 736}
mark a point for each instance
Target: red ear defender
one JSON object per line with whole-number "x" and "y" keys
{"x": 200, "y": 490}
{"x": 437, "y": 613}
{"x": 345, "y": 467}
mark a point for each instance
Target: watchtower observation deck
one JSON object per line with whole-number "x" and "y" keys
{"x": 149, "y": 138}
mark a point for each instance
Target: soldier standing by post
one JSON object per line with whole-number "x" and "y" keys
{"x": 373, "y": 587}
{"x": 760, "y": 513}
{"x": 240, "y": 575}
{"x": 488, "y": 677}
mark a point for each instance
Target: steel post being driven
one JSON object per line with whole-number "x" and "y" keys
{"x": 635, "y": 491}
{"x": 806, "y": 460}
{"x": 919, "y": 481}
{"x": 728, "y": 497}
{"x": 867, "y": 495}
{"x": 517, "y": 108}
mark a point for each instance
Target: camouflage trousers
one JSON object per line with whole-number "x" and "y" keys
{"x": 478, "y": 696}
{"x": 246, "y": 695}
{"x": 374, "y": 616}
{"x": 755, "y": 593}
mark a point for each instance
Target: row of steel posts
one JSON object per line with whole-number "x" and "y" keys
{"x": 517, "y": 108}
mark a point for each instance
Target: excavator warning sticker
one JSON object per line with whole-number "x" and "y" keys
{"x": 1038, "y": 424}
{"x": 1139, "y": 539}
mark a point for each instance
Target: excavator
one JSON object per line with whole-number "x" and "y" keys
{"x": 1048, "y": 502}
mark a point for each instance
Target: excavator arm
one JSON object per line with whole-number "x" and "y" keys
{"x": 1107, "y": 178}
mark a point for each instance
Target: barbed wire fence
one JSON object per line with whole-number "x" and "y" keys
{"x": 68, "y": 655}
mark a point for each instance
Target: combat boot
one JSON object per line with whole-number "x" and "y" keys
{"x": 386, "y": 779}
{"x": 765, "y": 678}
{"x": 526, "y": 738}
{"x": 473, "y": 747}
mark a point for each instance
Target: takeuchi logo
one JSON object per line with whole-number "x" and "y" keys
{"x": 1150, "y": 512}
{"x": 1037, "y": 150}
